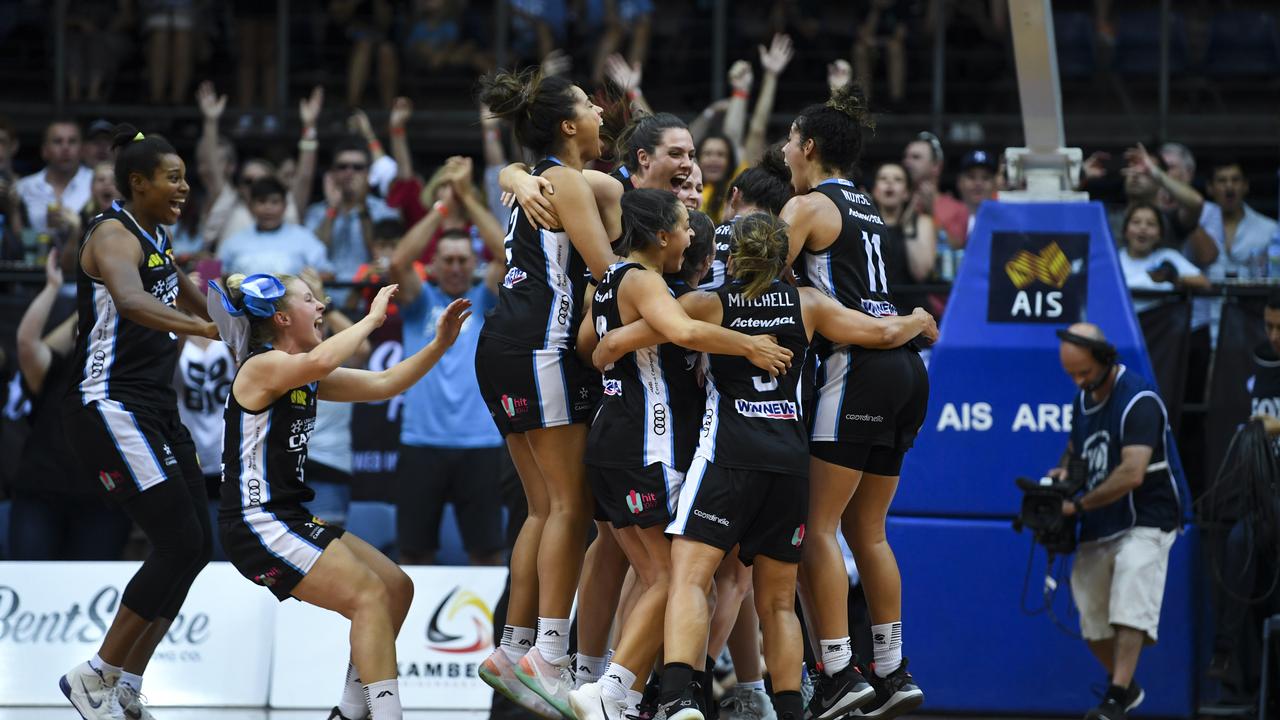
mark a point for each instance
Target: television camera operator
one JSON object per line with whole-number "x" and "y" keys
{"x": 1129, "y": 510}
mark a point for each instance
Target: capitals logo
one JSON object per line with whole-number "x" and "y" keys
{"x": 513, "y": 277}
{"x": 770, "y": 410}
{"x": 466, "y": 614}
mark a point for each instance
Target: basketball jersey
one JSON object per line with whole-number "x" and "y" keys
{"x": 1264, "y": 386}
{"x": 651, "y": 403}
{"x": 753, "y": 421}
{"x": 118, "y": 359}
{"x": 851, "y": 269}
{"x": 204, "y": 380}
{"x": 718, "y": 273}
{"x": 264, "y": 452}
{"x": 540, "y": 300}
{"x": 623, "y": 175}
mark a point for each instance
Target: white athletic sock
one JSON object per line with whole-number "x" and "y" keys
{"x": 836, "y": 655}
{"x": 353, "y": 704}
{"x": 753, "y": 685}
{"x": 131, "y": 681}
{"x": 615, "y": 682}
{"x": 886, "y": 640}
{"x": 553, "y": 638}
{"x": 589, "y": 669}
{"x": 104, "y": 668}
{"x": 516, "y": 641}
{"x": 383, "y": 698}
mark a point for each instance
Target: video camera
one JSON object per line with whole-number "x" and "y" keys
{"x": 1041, "y": 511}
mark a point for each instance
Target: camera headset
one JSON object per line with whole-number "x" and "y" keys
{"x": 1101, "y": 350}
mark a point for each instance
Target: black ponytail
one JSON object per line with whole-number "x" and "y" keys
{"x": 136, "y": 153}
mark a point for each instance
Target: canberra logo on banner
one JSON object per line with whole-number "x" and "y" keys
{"x": 1038, "y": 277}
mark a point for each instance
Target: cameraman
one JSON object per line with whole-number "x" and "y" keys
{"x": 1129, "y": 512}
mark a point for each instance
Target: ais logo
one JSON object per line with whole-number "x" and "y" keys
{"x": 470, "y": 623}
{"x": 1038, "y": 277}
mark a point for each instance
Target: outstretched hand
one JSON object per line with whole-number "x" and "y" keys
{"x": 378, "y": 308}
{"x": 778, "y": 55}
{"x": 309, "y": 107}
{"x": 211, "y": 103}
{"x": 451, "y": 321}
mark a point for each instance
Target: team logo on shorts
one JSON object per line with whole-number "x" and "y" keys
{"x": 639, "y": 502}
{"x": 268, "y": 578}
{"x": 109, "y": 479}
{"x": 798, "y": 536}
{"x": 612, "y": 387}
{"x": 514, "y": 406}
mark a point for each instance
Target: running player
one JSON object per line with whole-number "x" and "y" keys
{"x": 123, "y": 411}
{"x": 274, "y": 327}
{"x": 747, "y": 485}
{"x": 870, "y": 406}
{"x": 537, "y": 390}
{"x": 642, "y": 438}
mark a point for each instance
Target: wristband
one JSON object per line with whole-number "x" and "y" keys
{"x": 633, "y": 93}
{"x": 330, "y": 212}
{"x": 1078, "y": 504}
{"x": 741, "y": 94}
{"x": 442, "y": 208}
{"x": 375, "y": 147}
{"x": 309, "y": 132}
{"x": 308, "y": 145}
{"x": 397, "y": 131}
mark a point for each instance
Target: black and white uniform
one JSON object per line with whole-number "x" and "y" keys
{"x": 718, "y": 273}
{"x": 203, "y": 380}
{"x": 870, "y": 403}
{"x": 623, "y": 175}
{"x": 125, "y": 410}
{"x": 529, "y": 374}
{"x": 642, "y": 435}
{"x": 266, "y": 532}
{"x": 1264, "y": 386}
{"x": 749, "y": 481}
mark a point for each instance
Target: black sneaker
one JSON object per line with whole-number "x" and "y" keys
{"x": 335, "y": 714}
{"x": 648, "y": 708}
{"x": 839, "y": 694}
{"x": 1134, "y": 696}
{"x": 896, "y": 694}
{"x": 1110, "y": 709}
{"x": 685, "y": 707}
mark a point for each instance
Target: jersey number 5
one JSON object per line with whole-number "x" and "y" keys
{"x": 875, "y": 261}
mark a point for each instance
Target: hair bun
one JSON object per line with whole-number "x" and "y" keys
{"x": 850, "y": 100}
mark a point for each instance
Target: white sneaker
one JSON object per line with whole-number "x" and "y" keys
{"x": 743, "y": 703}
{"x": 589, "y": 703}
{"x": 551, "y": 680}
{"x": 134, "y": 704}
{"x": 498, "y": 672}
{"x": 92, "y": 693}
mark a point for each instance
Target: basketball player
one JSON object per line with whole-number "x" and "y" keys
{"x": 641, "y": 440}
{"x": 274, "y": 326}
{"x": 870, "y": 406}
{"x": 123, "y": 411}
{"x": 537, "y": 390}
{"x": 747, "y": 485}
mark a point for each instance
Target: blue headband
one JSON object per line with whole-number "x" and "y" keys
{"x": 260, "y": 293}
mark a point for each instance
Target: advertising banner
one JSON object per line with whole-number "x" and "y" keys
{"x": 448, "y": 632}
{"x": 54, "y": 615}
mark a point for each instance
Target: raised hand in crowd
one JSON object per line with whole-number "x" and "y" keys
{"x": 839, "y": 74}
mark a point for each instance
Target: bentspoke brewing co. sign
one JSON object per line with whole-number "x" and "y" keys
{"x": 1038, "y": 277}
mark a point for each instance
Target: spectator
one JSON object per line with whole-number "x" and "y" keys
{"x": 718, "y": 159}
{"x": 227, "y": 185}
{"x": 62, "y": 186}
{"x": 1146, "y": 181}
{"x": 612, "y": 21}
{"x": 10, "y": 199}
{"x": 344, "y": 219}
{"x": 170, "y": 47}
{"x": 272, "y": 245}
{"x": 1145, "y": 264}
{"x": 1239, "y": 232}
{"x": 96, "y": 40}
{"x": 975, "y": 184}
{"x": 368, "y": 24}
{"x": 910, "y": 241}
{"x": 923, "y": 160}
{"x": 1266, "y": 385}
{"x": 96, "y": 147}
{"x": 386, "y": 238}
{"x": 56, "y": 515}
{"x": 445, "y": 427}
{"x": 255, "y": 30}
{"x": 883, "y": 31}
{"x": 103, "y": 192}
{"x": 1179, "y": 162}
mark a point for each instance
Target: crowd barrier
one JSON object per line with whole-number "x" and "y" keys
{"x": 234, "y": 645}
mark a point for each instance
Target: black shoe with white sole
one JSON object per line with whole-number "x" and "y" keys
{"x": 837, "y": 695}
{"x": 896, "y": 694}
{"x": 685, "y": 707}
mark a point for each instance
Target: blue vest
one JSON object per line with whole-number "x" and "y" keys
{"x": 1097, "y": 437}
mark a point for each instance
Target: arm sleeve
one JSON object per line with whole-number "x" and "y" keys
{"x": 1144, "y": 423}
